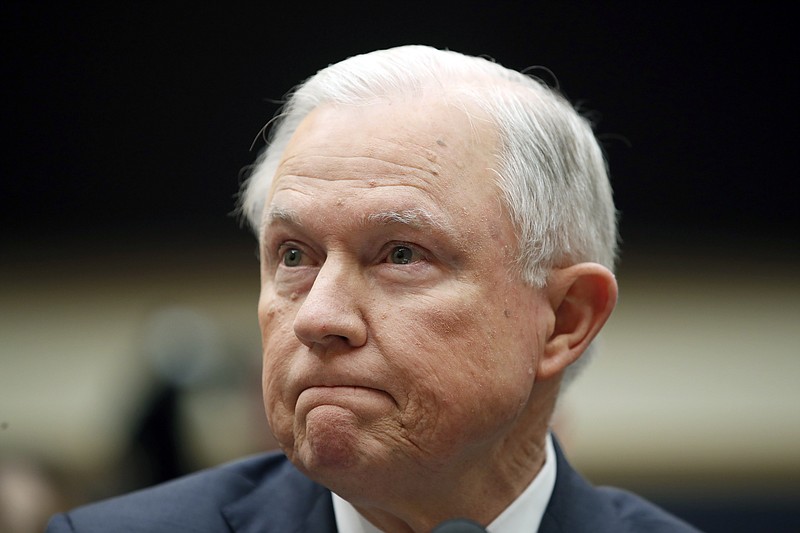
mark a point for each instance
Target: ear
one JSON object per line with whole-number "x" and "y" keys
{"x": 582, "y": 297}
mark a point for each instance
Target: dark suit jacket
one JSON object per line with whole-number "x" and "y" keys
{"x": 266, "y": 494}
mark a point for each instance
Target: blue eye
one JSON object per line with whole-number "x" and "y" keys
{"x": 292, "y": 257}
{"x": 401, "y": 255}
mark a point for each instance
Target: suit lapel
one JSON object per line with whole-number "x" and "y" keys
{"x": 288, "y": 502}
{"x": 575, "y": 506}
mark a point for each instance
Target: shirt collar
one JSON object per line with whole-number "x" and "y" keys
{"x": 523, "y": 514}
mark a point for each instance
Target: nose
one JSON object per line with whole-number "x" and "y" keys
{"x": 330, "y": 313}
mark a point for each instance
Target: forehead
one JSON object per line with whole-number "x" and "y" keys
{"x": 413, "y": 139}
{"x": 423, "y": 151}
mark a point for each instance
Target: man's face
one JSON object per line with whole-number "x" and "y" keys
{"x": 396, "y": 333}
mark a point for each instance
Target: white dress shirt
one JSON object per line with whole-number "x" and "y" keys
{"x": 523, "y": 515}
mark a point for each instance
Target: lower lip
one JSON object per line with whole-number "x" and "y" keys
{"x": 348, "y": 397}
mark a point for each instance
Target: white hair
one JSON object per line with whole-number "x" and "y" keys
{"x": 551, "y": 171}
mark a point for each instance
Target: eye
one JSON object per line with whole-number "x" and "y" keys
{"x": 402, "y": 255}
{"x": 292, "y": 257}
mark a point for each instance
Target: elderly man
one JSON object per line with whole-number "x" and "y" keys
{"x": 437, "y": 238}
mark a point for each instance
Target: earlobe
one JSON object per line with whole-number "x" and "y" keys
{"x": 582, "y": 297}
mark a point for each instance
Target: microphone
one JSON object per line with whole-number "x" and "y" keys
{"x": 459, "y": 525}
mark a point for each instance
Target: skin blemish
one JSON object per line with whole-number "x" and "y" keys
{"x": 506, "y": 313}
{"x": 440, "y": 142}
{"x": 271, "y": 311}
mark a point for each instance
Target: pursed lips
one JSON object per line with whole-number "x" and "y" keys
{"x": 347, "y": 396}
{"x": 338, "y": 378}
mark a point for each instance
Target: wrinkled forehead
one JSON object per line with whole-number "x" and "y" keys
{"x": 418, "y": 131}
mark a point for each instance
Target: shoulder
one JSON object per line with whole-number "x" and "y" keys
{"x": 190, "y": 503}
{"x": 638, "y": 514}
{"x": 577, "y": 506}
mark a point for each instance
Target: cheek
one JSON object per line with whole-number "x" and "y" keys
{"x": 278, "y": 341}
{"x": 466, "y": 368}
{"x": 275, "y": 319}
{"x": 476, "y": 336}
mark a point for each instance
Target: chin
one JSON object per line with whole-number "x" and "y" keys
{"x": 329, "y": 441}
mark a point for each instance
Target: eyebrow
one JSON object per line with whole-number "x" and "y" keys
{"x": 277, "y": 213}
{"x": 416, "y": 218}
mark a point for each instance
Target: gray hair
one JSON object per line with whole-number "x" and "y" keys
{"x": 551, "y": 171}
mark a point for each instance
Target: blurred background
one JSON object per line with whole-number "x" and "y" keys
{"x": 129, "y": 349}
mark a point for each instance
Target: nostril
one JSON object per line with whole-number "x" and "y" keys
{"x": 330, "y": 311}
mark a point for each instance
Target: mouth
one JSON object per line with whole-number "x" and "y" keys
{"x": 361, "y": 400}
{"x": 347, "y": 391}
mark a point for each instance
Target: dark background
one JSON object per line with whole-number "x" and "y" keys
{"x": 129, "y": 124}
{"x": 134, "y": 120}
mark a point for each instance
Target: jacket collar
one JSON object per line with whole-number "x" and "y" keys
{"x": 295, "y": 503}
{"x": 575, "y": 505}
{"x": 299, "y": 505}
